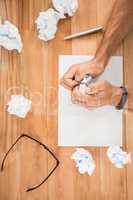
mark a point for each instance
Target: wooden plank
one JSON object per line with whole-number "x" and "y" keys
{"x": 128, "y": 52}
{"x": 9, "y": 76}
{"x": 59, "y": 181}
{"x": 85, "y": 18}
{"x": 86, "y": 187}
{"x": 34, "y": 77}
{"x": 27, "y": 72}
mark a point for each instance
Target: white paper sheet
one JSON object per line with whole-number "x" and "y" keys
{"x": 80, "y": 127}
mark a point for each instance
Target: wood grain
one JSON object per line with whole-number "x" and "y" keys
{"x": 34, "y": 73}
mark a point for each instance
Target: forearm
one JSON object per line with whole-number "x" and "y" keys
{"x": 119, "y": 25}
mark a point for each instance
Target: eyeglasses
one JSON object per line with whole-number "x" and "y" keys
{"x": 45, "y": 147}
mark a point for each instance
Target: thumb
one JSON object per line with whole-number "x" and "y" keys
{"x": 91, "y": 89}
{"x": 79, "y": 76}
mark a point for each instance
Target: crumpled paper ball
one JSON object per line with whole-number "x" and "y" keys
{"x": 84, "y": 161}
{"x": 66, "y": 6}
{"x": 47, "y": 24}
{"x": 118, "y": 157}
{"x": 10, "y": 37}
{"x": 19, "y": 106}
{"x": 85, "y": 83}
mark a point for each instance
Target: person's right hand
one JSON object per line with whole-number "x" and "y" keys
{"x": 78, "y": 71}
{"x": 97, "y": 94}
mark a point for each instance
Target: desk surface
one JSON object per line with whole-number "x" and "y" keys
{"x": 34, "y": 74}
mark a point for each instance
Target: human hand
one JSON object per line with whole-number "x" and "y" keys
{"x": 97, "y": 94}
{"x": 78, "y": 71}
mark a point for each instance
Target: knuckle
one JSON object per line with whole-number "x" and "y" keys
{"x": 61, "y": 80}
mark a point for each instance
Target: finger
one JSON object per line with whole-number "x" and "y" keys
{"x": 64, "y": 85}
{"x": 68, "y": 78}
{"x": 73, "y": 99}
{"x": 70, "y": 73}
{"x": 70, "y": 82}
{"x": 78, "y": 97}
{"x": 79, "y": 76}
{"x": 92, "y": 101}
{"x": 91, "y": 105}
{"x": 75, "y": 95}
{"x": 90, "y": 108}
{"x": 89, "y": 100}
{"x": 82, "y": 72}
{"x": 94, "y": 88}
{"x": 77, "y": 101}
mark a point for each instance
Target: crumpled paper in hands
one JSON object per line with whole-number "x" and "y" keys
{"x": 85, "y": 83}
{"x": 118, "y": 157}
{"x": 10, "y": 37}
{"x": 84, "y": 161}
{"x": 66, "y": 6}
{"x": 19, "y": 106}
{"x": 47, "y": 22}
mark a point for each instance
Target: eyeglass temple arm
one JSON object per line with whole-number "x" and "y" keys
{"x": 57, "y": 163}
{"x": 3, "y": 162}
{"x": 45, "y": 147}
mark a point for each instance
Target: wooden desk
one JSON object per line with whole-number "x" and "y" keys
{"x": 34, "y": 73}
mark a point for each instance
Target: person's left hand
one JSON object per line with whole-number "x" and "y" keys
{"x": 96, "y": 95}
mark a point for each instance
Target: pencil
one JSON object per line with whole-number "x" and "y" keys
{"x": 88, "y": 32}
